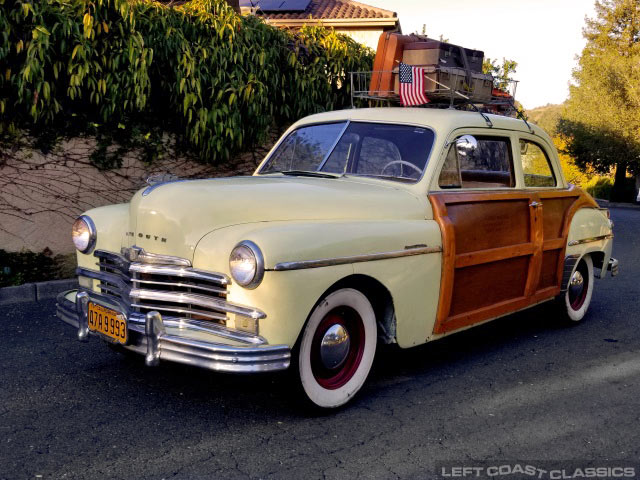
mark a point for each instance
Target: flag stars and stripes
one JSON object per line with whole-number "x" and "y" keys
{"x": 412, "y": 85}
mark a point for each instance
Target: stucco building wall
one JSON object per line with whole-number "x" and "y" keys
{"x": 42, "y": 194}
{"x": 366, "y": 36}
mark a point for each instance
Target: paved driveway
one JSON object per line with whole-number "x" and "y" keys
{"x": 520, "y": 389}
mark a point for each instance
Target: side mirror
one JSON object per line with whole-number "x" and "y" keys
{"x": 466, "y": 145}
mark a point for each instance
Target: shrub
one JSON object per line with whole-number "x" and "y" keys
{"x": 600, "y": 187}
{"x": 26, "y": 266}
{"x": 124, "y": 69}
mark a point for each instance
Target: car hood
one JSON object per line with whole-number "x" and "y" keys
{"x": 171, "y": 218}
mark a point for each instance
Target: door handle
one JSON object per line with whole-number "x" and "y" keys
{"x": 535, "y": 204}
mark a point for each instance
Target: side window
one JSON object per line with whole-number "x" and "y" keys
{"x": 488, "y": 165}
{"x": 536, "y": 166}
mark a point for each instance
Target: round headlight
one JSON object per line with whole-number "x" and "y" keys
{"x": 84, "y": 234}
{"x": 246, "y": 264}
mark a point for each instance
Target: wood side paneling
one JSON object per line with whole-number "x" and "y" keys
{"x": 448, "y": 257}
{"x": 549, "y": 271}
{"x": 497, "y": 224}
{"x": 471, "y": 290}
{"x": 554, "y": 212}
{"x": 502, "y": 251}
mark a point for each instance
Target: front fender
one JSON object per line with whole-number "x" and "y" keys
{"x": 111, "y": 223}
{"x": 287, "y": 297}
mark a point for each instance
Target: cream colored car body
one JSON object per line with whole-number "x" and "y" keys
{"x": 297, "y": 219}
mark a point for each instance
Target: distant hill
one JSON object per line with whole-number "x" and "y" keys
{"x": 546, "y": 117}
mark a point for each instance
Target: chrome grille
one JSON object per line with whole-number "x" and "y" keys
{"x": 142, "y": 283}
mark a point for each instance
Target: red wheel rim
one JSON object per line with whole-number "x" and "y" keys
{"x": 577, "y": 295}
{"x": 332, "y": 379}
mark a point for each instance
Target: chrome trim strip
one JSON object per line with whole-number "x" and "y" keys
{"x": 186, "y": 272}
{"x": 138, "y": 254}
{"x": 327, "y": 262}
{"x": 184, "y": 311}
{"x": 220, "y": 291}
{"x": 573, "y": 243}
{"x": 195, "y": 299}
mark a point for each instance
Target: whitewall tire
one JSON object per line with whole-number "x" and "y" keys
{"x": 337, "y": 348}
{"x": 576, "y": 300}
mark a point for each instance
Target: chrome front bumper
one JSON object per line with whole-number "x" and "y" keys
{"x": 179, "y": 340}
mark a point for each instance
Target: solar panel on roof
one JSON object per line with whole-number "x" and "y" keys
{"x": 269, "y": 5}
{"x": 296, "y": 5}
{"x": 277, "y": 5}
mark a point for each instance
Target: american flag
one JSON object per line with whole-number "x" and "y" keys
{"x": 412, "y": 85}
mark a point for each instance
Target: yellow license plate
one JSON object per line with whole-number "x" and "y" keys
{"x": 107, "y": 322}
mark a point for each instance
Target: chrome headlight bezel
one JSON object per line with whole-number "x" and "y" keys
{"x": 255, "y": 254}
{"x": 90, "y": 229}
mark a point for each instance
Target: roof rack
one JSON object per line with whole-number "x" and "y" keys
{"x": 498, "y": 97}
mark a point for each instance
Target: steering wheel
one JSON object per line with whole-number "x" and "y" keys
{"x": 401, "y": 163}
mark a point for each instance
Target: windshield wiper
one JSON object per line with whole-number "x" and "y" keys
{"x": 307, "y": 173}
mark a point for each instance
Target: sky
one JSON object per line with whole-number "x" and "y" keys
{"x": 543, "y": 36}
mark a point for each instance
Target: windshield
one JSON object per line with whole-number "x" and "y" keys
{"x": 396, "y": 152}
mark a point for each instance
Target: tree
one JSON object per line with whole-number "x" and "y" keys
{"x": 601, "y": 120}
{"x": 501, "y": 73}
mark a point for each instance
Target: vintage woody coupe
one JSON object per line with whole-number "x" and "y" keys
{"x": 360, "y": 227}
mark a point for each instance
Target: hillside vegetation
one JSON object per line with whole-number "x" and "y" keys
{"x": 546, "y": 117}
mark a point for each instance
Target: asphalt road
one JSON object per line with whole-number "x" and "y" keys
{"x": 521, "y": 389}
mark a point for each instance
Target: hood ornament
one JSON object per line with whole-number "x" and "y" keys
{"x": 155, "y": 178}
{"x": 158, "y": 179}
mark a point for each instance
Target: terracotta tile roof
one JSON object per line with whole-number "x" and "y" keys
{"x": 333, "y": 9}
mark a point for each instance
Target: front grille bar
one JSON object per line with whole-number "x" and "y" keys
{"x": 185, "y": 272}
{"x": 185, "y": 293}
{"x": 219, "y": 291}
{"x": 195, "y": 299}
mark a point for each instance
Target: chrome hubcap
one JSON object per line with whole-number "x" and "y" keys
{"x": 335, "y": 346}
{"x": 577, "y": 279}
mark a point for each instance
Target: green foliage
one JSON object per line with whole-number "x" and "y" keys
{"x": 601, "y": 121}
{"x": 199, "y": 70}
{"x": 17, "y": 268}
{"x": 602, "y": 187}
{"x": 501, "y": 73}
